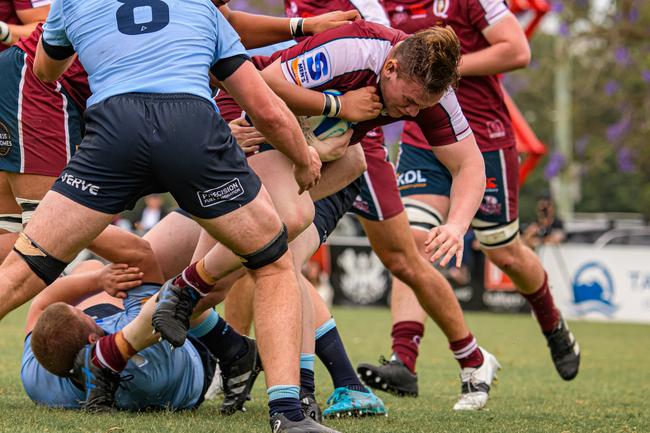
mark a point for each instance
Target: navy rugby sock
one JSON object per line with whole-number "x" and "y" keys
{"x": 330, "y": 350}
{"x": 222, "y": 341}
{"x": 307, "y": 385}
{"x": 284, "y": 399}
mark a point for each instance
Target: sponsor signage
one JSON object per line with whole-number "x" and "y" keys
{"x": 607, "y": 283}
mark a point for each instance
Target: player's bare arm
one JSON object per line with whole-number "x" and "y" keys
{"x": 356, "y": 105}
{"x": 465, "y": 163}
{"x": 50, "y": 66}
{"x": 508, "y": 50}
{"x": 260, "y": 30}
{"x": 275, "y": 122}
{"x": 29, "y": 19}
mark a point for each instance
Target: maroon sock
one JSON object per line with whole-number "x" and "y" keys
{"x": 467, "y": 352}
{"x": 544, "y": 308}
{"x": 190, "y": 276}
{"x": 406, "y": 342}
{"x": 106, "y": 354}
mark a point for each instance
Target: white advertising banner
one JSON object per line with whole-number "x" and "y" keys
{"x": 607, "y": 283}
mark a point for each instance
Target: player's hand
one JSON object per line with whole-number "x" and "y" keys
{"x": 331, "y": 149}
{"x": 117, "y": 278}
{"x": 360, "y": 104}
{"x": 444, "y": 242}
{"x": 308, "y": 176}
{"x": 246, "y": 135}
{"x": 330, "y": 20}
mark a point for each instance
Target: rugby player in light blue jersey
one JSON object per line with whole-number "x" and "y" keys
{"x": 142, "y": 137}
{"x": 77, "y": 309}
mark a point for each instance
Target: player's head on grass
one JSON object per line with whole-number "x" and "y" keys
{"x": 419, "y": 71}
{"x": 60, "y": 333}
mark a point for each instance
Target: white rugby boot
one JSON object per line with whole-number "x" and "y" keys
{"x": 476, "y": 383}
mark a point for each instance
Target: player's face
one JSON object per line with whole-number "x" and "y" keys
{"x": 403, "y": 97}
{"x": 88, "y": 321}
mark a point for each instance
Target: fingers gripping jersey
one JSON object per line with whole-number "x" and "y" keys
{"x": 480, "y": 96}
{"x": 351, "y": 57}
{"x": 370, "y": 10}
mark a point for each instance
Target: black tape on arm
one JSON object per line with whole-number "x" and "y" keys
{"x": 224, "y": 68}
{"x": 57, "y": 52}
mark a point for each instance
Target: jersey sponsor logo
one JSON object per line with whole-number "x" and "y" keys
{"x": 80, "y": 184}
{"x": 5, "y": 140}
{"x": 228, "y": 191}
{"x": 495, "y": 129}
{"x": 312, "y": 69}
{"x": 441, "y": 7}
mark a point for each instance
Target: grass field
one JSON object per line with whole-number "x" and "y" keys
{"x": 611, "y": 393}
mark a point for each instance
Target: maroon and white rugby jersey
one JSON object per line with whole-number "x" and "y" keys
{"x": 370, "y": 10}
{"x": 351, "y": 57}
{"x": 74, "y": 80}
{"x": 8, "y": 10}
{"x": 480, "y": 97}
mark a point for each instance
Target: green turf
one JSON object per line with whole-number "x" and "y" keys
{"x": 611, "y": 393}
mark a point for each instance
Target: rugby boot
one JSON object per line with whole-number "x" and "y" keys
{"x": 280, "y": 424}
{"x": 100, "y": 384}
{"x": 348, "y": 402}
{"x": 174, "y": 306}
{"x": 390, "y": 376}
{"x": 565, "y": 351}
{"x": 238, "y": 379}
{"x": 310, "y": 407}
{"x": 476, "y": 383}
{"x": 216, "y": 386}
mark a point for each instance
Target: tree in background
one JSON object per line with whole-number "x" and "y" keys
{"x": 611, "y": 103}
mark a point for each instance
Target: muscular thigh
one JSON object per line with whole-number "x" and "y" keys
{"x": 276, "y": 172}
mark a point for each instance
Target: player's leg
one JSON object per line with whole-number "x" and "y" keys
{"x": 350, "y": 397}
{"x": 173, "y": 241}
{"x": 239, "y": 305}
{"x": 497, "y": 229}
{"x": 228, "y": 200}
{"x": 393, "y": 242}
{"x": 10, "y": 217}
{"x": 40, "y": 253}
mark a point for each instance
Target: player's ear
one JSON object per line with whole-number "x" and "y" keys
{"x": 390, "y": 68}
{"x": 93, "y": 337}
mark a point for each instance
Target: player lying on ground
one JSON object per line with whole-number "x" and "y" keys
{"x": 77, "y": 309}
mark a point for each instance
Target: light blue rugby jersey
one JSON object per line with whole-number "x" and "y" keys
{"x": 149, "y": 46}
{"x": 155, "y": 377}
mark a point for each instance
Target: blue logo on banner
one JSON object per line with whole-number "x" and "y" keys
{"x": 593, "y": 289}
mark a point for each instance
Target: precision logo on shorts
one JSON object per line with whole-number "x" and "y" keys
{"x": 80, "y": 184}
{"x": 5, "y": 140}
{"x": 228, "y": 191}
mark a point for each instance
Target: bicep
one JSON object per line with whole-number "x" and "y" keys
{"x": 455, "y": 155}
{"x": 506, "y": 29}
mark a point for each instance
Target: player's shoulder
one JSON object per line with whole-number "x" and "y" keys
{"x": 372, "y": 30}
